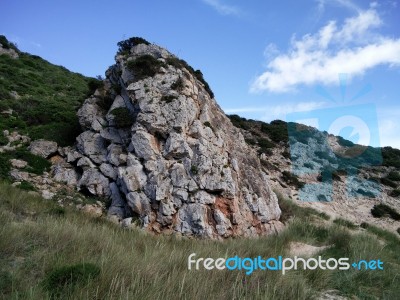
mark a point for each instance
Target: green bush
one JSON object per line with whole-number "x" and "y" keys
{"x": 292, "y": 179}
{"x": 50, "y": 96}
{"x": 26, "y": 186}
{"x": 383, "y": 210}
{"x": 327, "y": 174}
{"x": 388, "y": 182}
{"x": 208, "y": 124}
{"x": 391, "y": 157}
{"x": 265, "y": 144}
{"x": 181, "y": 64}
{"x": 126, "y": 45}
{"x": 239, "y": 122}
{"x": 194, "y": 170}
{"x": 393, "y": 176}
{"x": 168, "y": 98}
{"x": 395, "y": 193}
{"x": 62, "y": 278}
{"x": 3, "y": 140}
{"x": 122, "y": 117}
{"x": 36, "y": 164}
{"x": 277, "y": 131}
{"x": 144, "y": 66}
{"x": 290, "y": 209}
{"x": 345, "y": 223}
{"x": 57, "y": 211}
{"x": 94, "y": 84}
{"x": 178, "y": 85}
{"x": 6, "y": 44}
{"x": 6, "y": 282}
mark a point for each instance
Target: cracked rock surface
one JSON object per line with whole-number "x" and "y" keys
{"x": 169, "y": 157}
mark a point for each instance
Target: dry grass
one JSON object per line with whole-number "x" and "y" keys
{"x": 134, "y": 265}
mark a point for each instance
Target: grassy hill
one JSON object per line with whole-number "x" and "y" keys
{"x": 43, "y": 97}
{"x": 52, "y": 252}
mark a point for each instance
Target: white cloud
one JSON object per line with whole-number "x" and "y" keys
{"x": 222, "y": 8}
{"x": 389, "y": 127}
{"x": 318, "y": 58}
{"x": 37, "y": 45}
{"x": 344, "y": 3}
{"x": 274, "y": 112}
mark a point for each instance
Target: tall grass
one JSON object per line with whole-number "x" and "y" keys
{"x": 35, "y": 242}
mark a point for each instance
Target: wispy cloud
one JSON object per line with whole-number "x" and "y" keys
{"x": 222, "y": 8}
{"x": 389, "y": 126}
{"x": 37, "y": 45}
{"x": 343, "y": 3}
{"x": 273, "y": 112}
{"x": 352, "y": 48}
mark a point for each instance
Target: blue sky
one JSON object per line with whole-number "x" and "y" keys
{"x": 263, "y": 59}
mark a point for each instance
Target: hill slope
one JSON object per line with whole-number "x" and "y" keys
{"x": 39, "y": 98}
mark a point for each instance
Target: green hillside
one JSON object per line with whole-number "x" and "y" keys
{"x": 43, "y": 97}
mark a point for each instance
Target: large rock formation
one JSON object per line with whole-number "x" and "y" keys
{"x": 161, "y": 148}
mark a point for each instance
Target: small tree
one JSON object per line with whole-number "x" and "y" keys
{"x": 126, "y": 45}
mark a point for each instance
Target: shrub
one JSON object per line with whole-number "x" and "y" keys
{"x": 194, "y": 170}
{"x": 327, "y": 174}
{"x": 105, "y": 102}
{"x": 309, "y": 165}
{"x": 117, "y": 88}
{"x": 126, "y": 45}
{"x": 286, "y": 154}
{"x": 382, "y": 210}
{"x": 144, "y": 66}
{"x": 57, "y": 211}
{"x": 36, "y": 164}
{"x": 122, "y": 117}
{"x": 26, "y": 186}
{"x": 94, "y": 84}
{"x": 393, "y": 176}
{"x": 395, "y": 193}
{"x": 265, "y": 144}
{"x": 168, "y": 98}
{"x": 388, "y": 182}
{"x": 345, "y": 223}
{"x": 208, "y": 124}
{"x": 391, "y": 157}
{"x": 344, "y": 142}
{"x": 324, "y": 155}
{"x": 6, "y": 44}
{"x": 5, "y": 283}
{"x": 292, "y": 179}
{"x": 277, "y": 131}
{"x": 180, "y": 63}
{"x": 199, "y": 75}
{"x": 291, "y": 209}
{"x": 251, "y": 141}
{"x": 178, "y": 85}
{"x": 3, "y": 140}
{"x": 239, "y": 122}
{"x": 65, "y": 277}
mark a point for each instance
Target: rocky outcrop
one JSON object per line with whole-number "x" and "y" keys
{"x": 165, "y": 153}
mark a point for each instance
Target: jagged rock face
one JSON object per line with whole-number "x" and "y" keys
{"x": 179, "y": 165}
